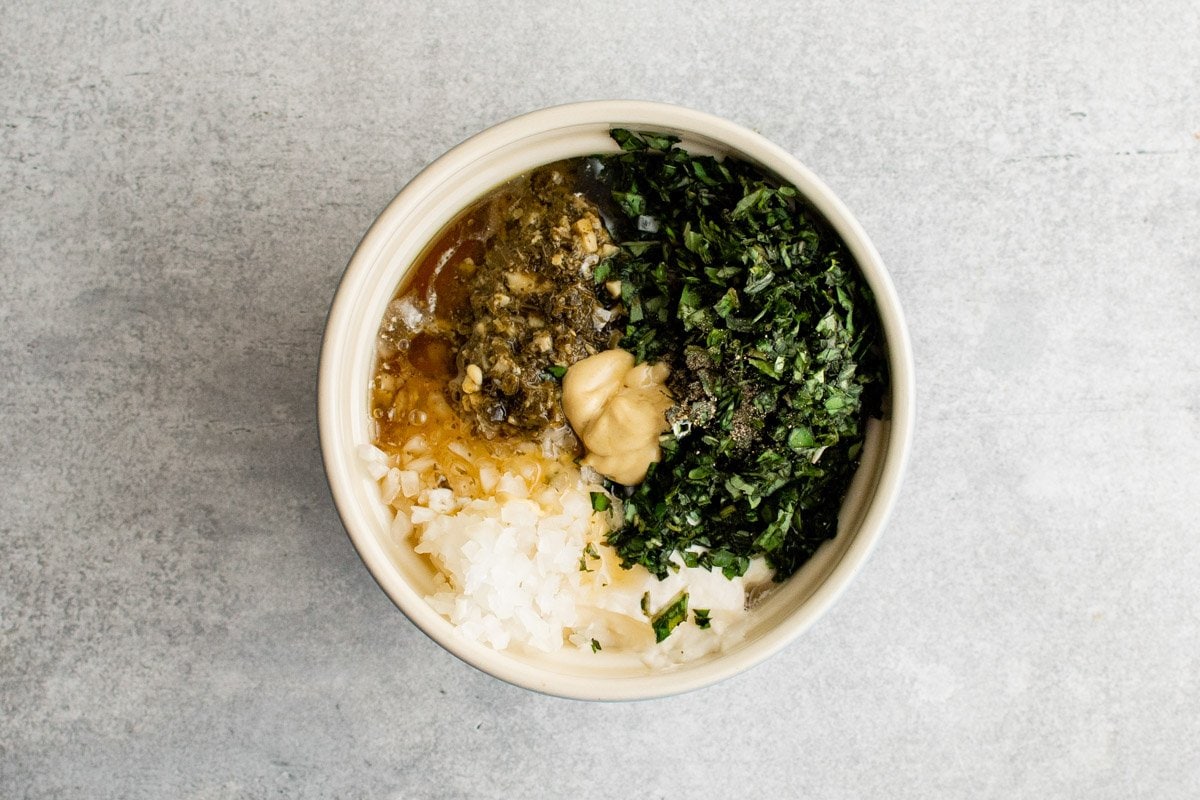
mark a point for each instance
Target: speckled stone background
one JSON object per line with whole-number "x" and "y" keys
{"x": 181, "y": 614}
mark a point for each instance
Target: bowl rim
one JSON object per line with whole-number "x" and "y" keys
{"x": 653, "y": 116}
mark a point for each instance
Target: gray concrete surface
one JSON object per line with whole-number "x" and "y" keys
{"x": 181, "y": 615}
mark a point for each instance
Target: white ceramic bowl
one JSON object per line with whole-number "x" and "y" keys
{"x": 377, "y": 268}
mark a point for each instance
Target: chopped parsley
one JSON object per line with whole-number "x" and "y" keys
{"x": 775, "y": 354}
{"x": 596, "y": 648}
{"x": 600, "y": 501}
{"x": 588, "y": 552}
{"x": 669, "y": 618}
{"x": 701, "y": 617}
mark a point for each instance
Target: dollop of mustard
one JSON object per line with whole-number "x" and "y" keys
{"x": 618, "y": 411}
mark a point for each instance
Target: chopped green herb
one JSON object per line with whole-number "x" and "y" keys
{"x": 596, "y": 648}
{"x": 588, "y": 552}
{"x": 701, "y": 617}
{"x": 557, "y": 371}
{"x": 600, "y": 501}
{"x": 669, "y": 618}
{"x": 775, "y": 353}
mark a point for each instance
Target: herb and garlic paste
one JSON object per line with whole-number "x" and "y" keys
{"x": 504, "y": 302}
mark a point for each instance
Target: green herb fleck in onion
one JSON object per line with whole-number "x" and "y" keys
{"x": 670, "y": 617}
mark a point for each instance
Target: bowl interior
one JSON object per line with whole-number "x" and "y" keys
{"x": 379, "y": 266}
